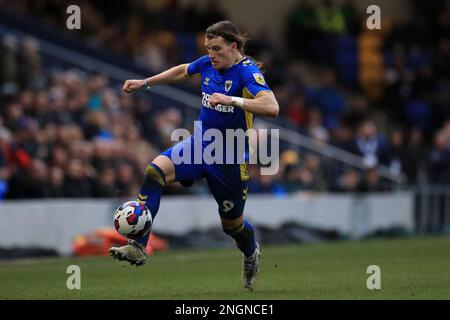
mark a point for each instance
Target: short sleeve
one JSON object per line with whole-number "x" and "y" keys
{"x": 254, "y": 80}
{"x": 197, "y": 66}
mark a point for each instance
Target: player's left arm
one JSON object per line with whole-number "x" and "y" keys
{"x": 263, "y": 104}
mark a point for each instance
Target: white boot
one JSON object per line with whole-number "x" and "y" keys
{"x": 133, "y": 252}
{"x": 250, "y": 268}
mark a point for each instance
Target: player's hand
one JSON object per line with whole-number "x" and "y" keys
{"x": 218, "y": 98}
{"x": 131, "y": 85}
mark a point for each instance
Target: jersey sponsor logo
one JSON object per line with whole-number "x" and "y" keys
{"x": 259, "y": 78}
{"x": 206, "y": 82}
{"x": 218, "y": 107}
{"x": 228, "y": 85}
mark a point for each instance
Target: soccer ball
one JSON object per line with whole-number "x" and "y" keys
{"x": 133, "y": 220}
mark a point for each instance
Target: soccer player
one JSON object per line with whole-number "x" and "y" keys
{"x": 233, "y": 90}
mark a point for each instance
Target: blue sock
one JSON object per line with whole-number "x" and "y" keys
{"x": 244, "y": 236}
{"x": 150, "y": 193}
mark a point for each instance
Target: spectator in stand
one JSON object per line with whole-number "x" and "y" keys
{"x": 106, "y": 183}
{"x": 9, "y": 61}
{"x": 414, "y": 168}
{"x": 398, "y": 152}
{"x": 331, "y": 101}
{"x": 5, "y": 172}
{"x": 349, "y": 181}
{"x": 296, "y": 111}
{"x": 439, "y": 159}
{"x": 292, "y": 178}
{"x": 372, "y": 182}
{"x": 311, "y": 174}
{"x": 126, "y": 183}
{"x": 30, "y": 183}
{"x": 370, "y": 145}
{"x": 314, "y": 126}
{"x": 30, "y": 73}
{"x": 76, "y": 183}
{"x": 165, "y": 122}
{"x": 56, "y": 183}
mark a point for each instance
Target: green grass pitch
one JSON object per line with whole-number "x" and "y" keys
{"x": 411, "y": 268}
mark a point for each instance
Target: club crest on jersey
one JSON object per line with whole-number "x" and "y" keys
{"x": 259, "y": 78}
{"x": 228, "y": 84}
{"x": 206, "y": 82}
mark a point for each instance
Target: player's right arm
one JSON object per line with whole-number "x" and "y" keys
{"x": 172, "y": 75}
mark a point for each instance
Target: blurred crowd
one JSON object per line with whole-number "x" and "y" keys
{"x": 69, "y": 133}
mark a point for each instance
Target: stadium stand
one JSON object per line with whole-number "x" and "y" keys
{"x": 68, "y": 131}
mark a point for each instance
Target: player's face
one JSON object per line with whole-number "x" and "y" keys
{"x": 221, "y": 53}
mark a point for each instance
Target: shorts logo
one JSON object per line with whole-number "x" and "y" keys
{"x": 228, "y": 84}
{"x": 227, "y": 205}
{"x": 259, "y": 78}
